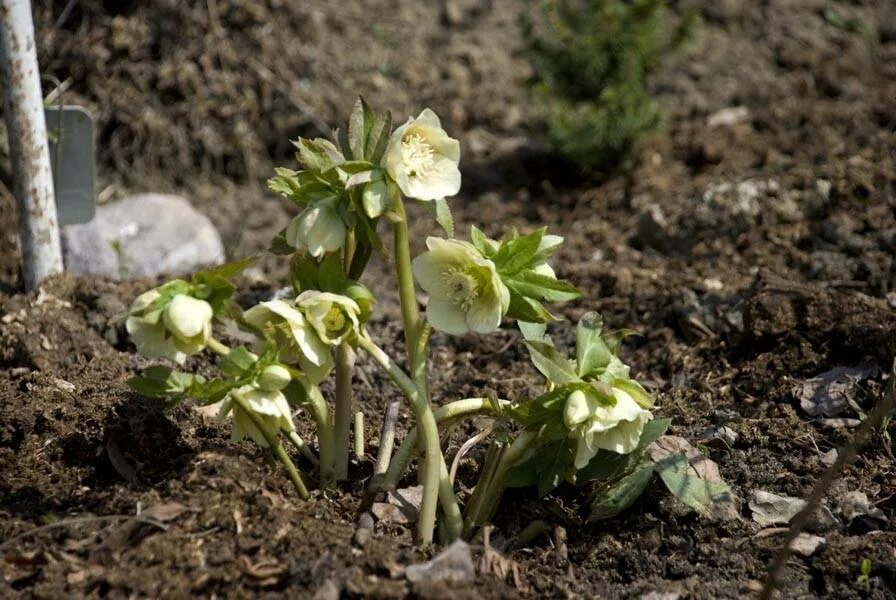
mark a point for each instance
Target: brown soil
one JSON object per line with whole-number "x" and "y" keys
{"x": 735, "y": 305}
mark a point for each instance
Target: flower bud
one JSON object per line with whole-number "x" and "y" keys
{"x": 274, "y": 378}
{"x": 375, "y": 198}
{"x": 186, "y": 317}
{"x": 318, "y": 229}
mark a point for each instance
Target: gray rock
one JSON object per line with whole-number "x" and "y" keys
{"x": 142, "y": 236}
{"x": 833, "y": 392}
{"x": 772, "y": 509}
{"x": 454, "y": 564}
{"x": 855, "y": 504}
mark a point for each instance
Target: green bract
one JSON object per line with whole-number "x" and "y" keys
{"x": 465, "y": 292}
{"x": 422, "y": 159}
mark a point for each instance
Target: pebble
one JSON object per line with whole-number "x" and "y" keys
{"x": 807, "y": 544}
{"x": 142, "y": 236}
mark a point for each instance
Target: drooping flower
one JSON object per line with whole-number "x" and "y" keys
{"x": 423, "y": 159}
{"x": 294, "y": 335}
{"x": 174, "y": 330}
{"x": 334, "y": 317}
{"x": 465, "y": 292}
{"x": 596, "y": 425}
{"x": 318, "y": 229}
{"x": 268, "y": 406}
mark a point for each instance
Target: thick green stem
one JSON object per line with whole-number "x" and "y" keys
{"x": 429, "y": 433}
{"x": 342, "y": 424}
{"x": 321, "y": 415}
{"x": 443, "y": 414}
{"x": 299, "y": 443}
{"x": 275, "y": 445}
{"x": 410, "y": 314}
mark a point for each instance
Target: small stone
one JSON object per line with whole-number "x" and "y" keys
{"x": 728, "y": 116}
{"x": 454, "y": 564}
{"x": 364, "y": 531}
{"x": 834, "y": 391}
{"x": 142, "y": 236}
{"x": 660, "y": 596}
{"x": 401, "y": 507}
{"x": 829, "y": 457}
{"x": 807, "y": 544}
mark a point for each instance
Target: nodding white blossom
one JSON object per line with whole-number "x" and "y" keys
{"x": 422, "y": 159}
{"x": 465, "y": 292}
{"x": 318, "y": 229}
{"x": 178, "y": 329}
{"x": 269, "y": 407}
{"x": 596, "y": 426}
{"x": 334, "y": 317}
{"x": 296, "y": 338}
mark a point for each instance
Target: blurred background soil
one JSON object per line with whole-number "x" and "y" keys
{"x": 751, "y": 245}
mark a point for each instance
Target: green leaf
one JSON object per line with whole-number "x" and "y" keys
{"x": 238, "y": 361}
{"x": 527, "y": 309}
{"x": 544, "y": 287}
{"x": 684, "y": 483}
{"x": 635, "y": 390}
{"x": 551, "y": 464}
{"x": 554, "y": 366}
{"x": 279, "y": 246}
{"x": 318, "y": 154}
{"x": 516, "y": 254}
{"x": 378, "y": 138}
{"x": 163, "y": 382}
{"x": 331, "y": 275}
{"x": 211, "y": 391}
{"x": 485, "y": 246}
{"x": 535, "y": 332}
{"x": 441, "y": 212}
{"x": 592, "y": 352}
{"x": 612, "y": 500}
{"x": 225, "y": 271}
{"x": 359, "y": 124}
{"x": 303, "y": 273}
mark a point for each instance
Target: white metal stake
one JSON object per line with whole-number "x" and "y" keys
{"x": 27, "y": 131}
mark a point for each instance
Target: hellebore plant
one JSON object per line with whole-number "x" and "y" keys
{"x": 590, "y": 415}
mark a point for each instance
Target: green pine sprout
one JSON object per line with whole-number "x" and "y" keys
{"x": 344, "y": 187}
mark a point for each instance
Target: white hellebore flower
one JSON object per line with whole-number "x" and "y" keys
{"x": 596, "y": 426}
{"x": 175, "y": 331}
{"x": 318, "y": 229}
{"x": 268, "y": 405}
{"x": 422, "y": 159}
{"x": 296, "y": 338}
{"x": 465, "y": 292}
{"x": 334, "y": 317}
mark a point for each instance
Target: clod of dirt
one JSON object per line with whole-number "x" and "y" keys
{"x": 834, "y": 391}
{"x": 454, "y": 564}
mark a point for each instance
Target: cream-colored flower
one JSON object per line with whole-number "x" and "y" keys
{"x": 269, "y": 407}
{"x": 597, "y": 426}
{"x": 274, "y": 378}
{"x": 176, "y": 330}
{"x": 318, "y": 229}
{"x": 465, "y": 292}
{"x": 422, "y": 159}
{"x": 334, "y": 317}
{"x": 294, "y": 335}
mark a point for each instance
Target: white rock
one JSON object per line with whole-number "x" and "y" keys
{"x": 454, "y": 564}
{"x": 807, "y": 544}
{"x": 142, "y": 236}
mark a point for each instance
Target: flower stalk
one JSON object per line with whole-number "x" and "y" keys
{"x": 344, "y": 409}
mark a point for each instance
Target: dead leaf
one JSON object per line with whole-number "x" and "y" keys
{"x": 122, "y": 466}
{"x": 165, "y": 512}
{"x": 833, "y": 392}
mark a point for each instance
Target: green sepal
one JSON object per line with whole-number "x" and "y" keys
{"x": 319, "y": 154}
{"x": 441, "y": 212}
{"x": 543, "y": 287}
{"x": 517, "y": 253}
{"x": 555, "y": 367}
{"x": 164, "y": 382}
{"x": 527, "y": 309}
